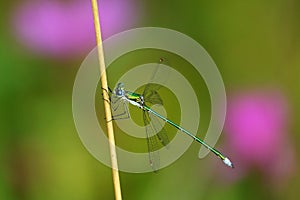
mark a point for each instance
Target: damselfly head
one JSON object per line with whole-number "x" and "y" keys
{"x": 119, "y": 91}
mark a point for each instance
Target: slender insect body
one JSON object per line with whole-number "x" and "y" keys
{"x": 138, "y": 101}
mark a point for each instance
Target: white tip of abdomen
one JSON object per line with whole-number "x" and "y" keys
{"x": 227, "y": 162}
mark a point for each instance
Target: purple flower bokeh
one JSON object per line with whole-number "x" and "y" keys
{"x": 257, "y": 134}
{"x": 62, "y": 29}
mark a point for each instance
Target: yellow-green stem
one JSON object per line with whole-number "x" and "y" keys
{"x": 108, "y": 115}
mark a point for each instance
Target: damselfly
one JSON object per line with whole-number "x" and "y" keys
{"x": 151, "y": 96}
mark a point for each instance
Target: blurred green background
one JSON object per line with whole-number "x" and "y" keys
{"x": 255, "y": 44}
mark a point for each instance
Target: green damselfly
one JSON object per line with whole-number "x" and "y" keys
{"x": 154, "y": 136}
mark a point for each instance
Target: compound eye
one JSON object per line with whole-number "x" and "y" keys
{"x": 119, "y": 92}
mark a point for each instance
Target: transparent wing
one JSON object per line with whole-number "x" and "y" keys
{"x": 152, "y": 143}
{"x": 157, "y": 80}
{"x": 153, "y": 138}
{"x": 119, "y": 108}
{"x": 160, "y": 131}
{"x": 151, "y": 95}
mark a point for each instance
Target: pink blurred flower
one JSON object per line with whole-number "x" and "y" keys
{"x": 66, "y": 28}
{"x": 257, "y": 134}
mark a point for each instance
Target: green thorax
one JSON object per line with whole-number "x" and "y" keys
{"x": 132, "y": 95}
